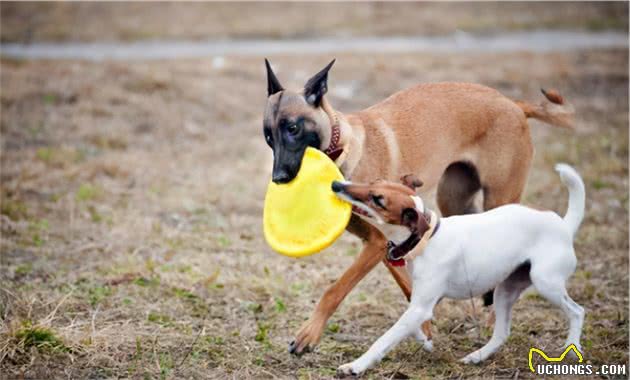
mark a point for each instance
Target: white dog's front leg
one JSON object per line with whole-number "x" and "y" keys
{"x": 405, "y": 326}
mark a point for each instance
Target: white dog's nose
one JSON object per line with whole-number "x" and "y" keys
{"x": 337, "y": 186}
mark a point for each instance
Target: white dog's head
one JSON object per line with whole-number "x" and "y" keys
{"x": 393, "y": 208}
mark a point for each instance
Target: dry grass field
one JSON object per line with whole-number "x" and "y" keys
{"x": 131, "y": 219}
{"x": 130, "y": 21}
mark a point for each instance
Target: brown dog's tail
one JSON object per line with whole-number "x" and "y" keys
{"x": 555, "y": 111}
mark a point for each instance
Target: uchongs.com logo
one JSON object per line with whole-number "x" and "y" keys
{"x": 555, "y": 365}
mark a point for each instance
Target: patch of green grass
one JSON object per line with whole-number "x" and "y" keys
{"x": 37, "y": 228}
{"x": 298, "y": 287}
{"x": 280, "y": 306}
{"x": 599, "y": 184}
{"x": 87, "y": 192}
{"x": 166, "y": 364}
{"x": 254, "y": 307}
{"x": 224, "y": 241}
{"x": 176, "y": 243}
{"x": 14, "y": 209}
{"x": 185, "y": 294}
{"x": 599, "y": 24}
{"x": 259, "y": 361}
{"x": 588, "y": 292}
{"x": 160, "y": 319}
{"x": 97, "y": 293}
{"x": 45, "y": 154}
{"x": 94, "y": 215}
{"x": 184, "y": 269}
{"x": 333, "y": 328}
{"x": 261, "y": 333}
{"x": 49, "y": 98}
{"x": 108, "y": 142}
{"x": 146, "y": 85}
{"x": 38, "y": 241}
{"x": 137, "y": 357}
{"x": 147, "y": 282}
{"x": 215, "y": 340}
{"x": 24, "y": 269}
{"x": 167, "y": 267}
{"x": 583, "y": 274}
{"x": 60, "y": 156}
{"x": 534, "y": 296}
{"x": 352, "y": 251}
{"x": 41, "y": 225}
{"x": 41, "y": 338}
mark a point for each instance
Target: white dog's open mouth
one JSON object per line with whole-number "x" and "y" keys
{"x": 359, "y": 211}
{"x": 359, "y": 208}
{"x": 396, "y": 233}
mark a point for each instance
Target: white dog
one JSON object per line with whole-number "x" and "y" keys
{"x": 507, "y": 248}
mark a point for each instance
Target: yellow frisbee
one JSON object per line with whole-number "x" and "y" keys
{"x": 304, "y": 216}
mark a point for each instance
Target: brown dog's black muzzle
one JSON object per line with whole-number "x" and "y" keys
{"x": 286, "y": 165}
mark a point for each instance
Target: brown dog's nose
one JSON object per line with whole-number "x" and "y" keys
{"x": 337, "y": 186}
{"x": 281, "y": 177}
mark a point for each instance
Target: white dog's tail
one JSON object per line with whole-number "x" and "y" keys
{"x": 573, "y": 181}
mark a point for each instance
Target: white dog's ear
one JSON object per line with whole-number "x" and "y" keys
{"x": 411, "y": 181}
{"x": 409, "y": 217}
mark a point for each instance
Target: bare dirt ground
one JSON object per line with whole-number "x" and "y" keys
{"x": 131, "y": 215}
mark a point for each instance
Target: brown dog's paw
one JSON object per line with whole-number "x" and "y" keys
{"x": 307, "y": 338}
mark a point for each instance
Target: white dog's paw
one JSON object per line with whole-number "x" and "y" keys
{"x": 474, "y": 358}
{"x": 349, "y": 369}
{"x": 428, "y": 345}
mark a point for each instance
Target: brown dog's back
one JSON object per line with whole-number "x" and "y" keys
{"x": 428, "y": 127}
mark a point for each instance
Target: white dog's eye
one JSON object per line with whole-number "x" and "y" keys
{"x": 379, "y": 200}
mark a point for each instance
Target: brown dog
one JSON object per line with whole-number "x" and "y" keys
{"x": 461, "y": 138}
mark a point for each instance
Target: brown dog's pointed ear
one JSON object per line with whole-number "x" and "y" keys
{"x": 317, "y": 86}
{"x": 273, "y": 84}
{"x": 411, "y": 181}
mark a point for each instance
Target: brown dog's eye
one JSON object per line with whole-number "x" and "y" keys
{"x": 293, "y": 129}
{"x": 379, "y": 200}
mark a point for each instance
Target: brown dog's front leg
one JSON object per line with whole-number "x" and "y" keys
{"x": 373, "y": 252}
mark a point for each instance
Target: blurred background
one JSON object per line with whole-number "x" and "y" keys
{"x": 133, "y": 171}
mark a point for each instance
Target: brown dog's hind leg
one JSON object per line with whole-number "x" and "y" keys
{"x": 508, "y": 190}
{"x": 401, "y": 276}
{"x": 492, "y": 199}
{"x": 457, "y": 189}
{"x": 456, "y": 195}
{"x": 373, "y": 252}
